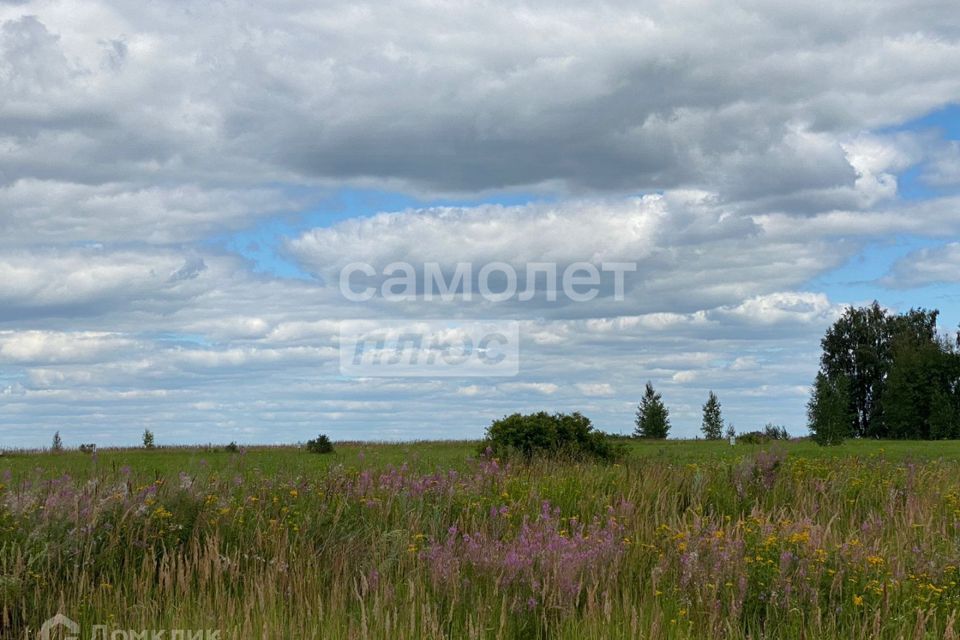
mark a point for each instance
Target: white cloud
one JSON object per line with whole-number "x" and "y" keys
{"x": 595, "y": 389}
{"x": 684, "y": 377}
{"x": 545, "y": 388}
{"x": 145, "y": 105}
{"x": 691, "y": 251}
{"x": 135, "y": 140}
{"x": 927, "y": 266}
{"x": 57, "y": 347}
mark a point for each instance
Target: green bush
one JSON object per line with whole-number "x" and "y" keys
{"x": 546, "y": 435}
{"x": 321, "y": 444}
{"x": 753, "y": 437}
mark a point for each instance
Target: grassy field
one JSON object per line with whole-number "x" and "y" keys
{"x": 426, "y": 540}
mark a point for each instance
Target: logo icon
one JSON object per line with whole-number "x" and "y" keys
{"x": 429, "y": 348}
{"x": 57, "y": 621}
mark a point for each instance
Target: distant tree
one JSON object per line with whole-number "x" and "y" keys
{"x": 859, "y": 347}
{"x": 57, "y": 445}
{"x": 712, "y": 425}
{"x": 944, "y": 417}
{"x": 921, "y": 389}
{"x": 774, "y": 432}
{"x": 731, "y": 431}
{"x": 148, "y": 439}
{"x": 320, "y": 444}
{"x": 829, "y": 411}
{"x": 653, "y": 418}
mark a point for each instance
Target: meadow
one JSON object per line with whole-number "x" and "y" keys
{"x": 433, "y": 540}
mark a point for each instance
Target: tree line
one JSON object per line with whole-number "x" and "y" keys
{"x": 886, "y": 375}
{"x": 881, "y": 375}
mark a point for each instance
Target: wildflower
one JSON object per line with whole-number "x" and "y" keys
{"x": 874, "y": 560}
{"x": 858, "y": 601}
{"x": 294, "y": 493}
{"x": 161, "y": 514}
{"x": 801, "y": 537}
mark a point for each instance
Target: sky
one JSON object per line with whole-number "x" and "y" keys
{"x": 182, "y": 184}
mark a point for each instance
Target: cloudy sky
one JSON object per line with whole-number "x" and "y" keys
{"x": 180, "y": 183}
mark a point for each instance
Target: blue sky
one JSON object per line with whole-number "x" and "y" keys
{"x": 181, "y": 186}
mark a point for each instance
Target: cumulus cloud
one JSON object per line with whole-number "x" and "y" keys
{"x": 691, "y": 251}
{"x": 48, "y": 347}
{"x": 92, "y": 281}
{"x": 466, "y": 98}
{"x": 52, "y": 212}
{"x": 596, "y": 389}
{"x": 735, "y": 155}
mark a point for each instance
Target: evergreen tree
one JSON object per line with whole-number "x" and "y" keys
{"x": 57, "y": 445}
{"x": 653, "y": 418}
{"x": 147, "y": 439}
{"x": 829, "y": 412}
{"x": 712, "y": 426}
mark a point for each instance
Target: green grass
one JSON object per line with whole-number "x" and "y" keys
{"x": 423, "y": 456}
{"x": 682, "y": 539}
{"x": 169, "y": 461}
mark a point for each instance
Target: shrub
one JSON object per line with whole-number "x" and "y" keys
{"x": 543, "y": 434}
{"x": 753, "y": 437}
{"x": 232, "y": 447}
{"x": 88, "y": 448}
{"x": 321, "y": 444}
{"x": 769, "y": 433}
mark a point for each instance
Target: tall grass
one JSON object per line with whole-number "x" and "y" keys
{"x": 741, "y": 545}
